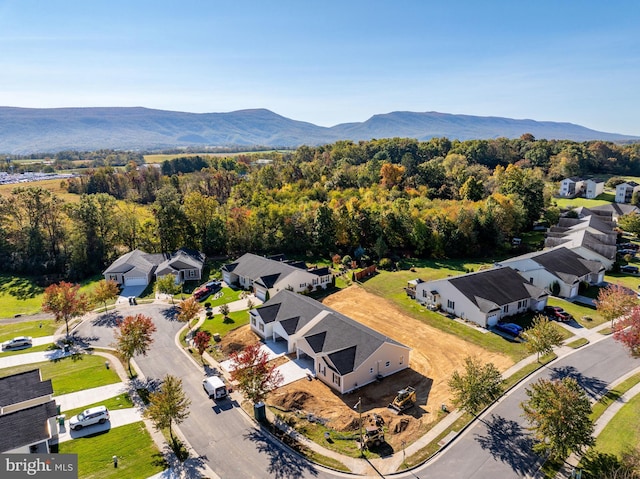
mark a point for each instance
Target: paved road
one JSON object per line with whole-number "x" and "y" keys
{"x": 499, "y": 446}
{"x": 221, "y": 434}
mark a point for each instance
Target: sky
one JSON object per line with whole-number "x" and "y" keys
{"x": 329, "y": 62}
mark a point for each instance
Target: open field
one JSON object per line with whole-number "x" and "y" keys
{"x": 138, "y": 456}
{"x": 54, "y": 186}
{"x": 34, "y": 329}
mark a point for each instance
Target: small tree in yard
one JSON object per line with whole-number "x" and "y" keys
{"x": 189, "y": 309}
{"x": 558, "y": 412}
{"x": 106, "y": 290}
{"x": 542, "y": 336}
{"x": 65, "y": 302}
{"x": 627, "y": 331}
{"x": 167, "y": 285}
{"x": 202, "y": 339}
{"x": 615, "y": 301}
{"x": 169, "y": 405}
{"x": 224, "y": 310}
{"x": 253, "y": 373}
{"x": 477, "y": 386}
{"x": 134, "y": 336}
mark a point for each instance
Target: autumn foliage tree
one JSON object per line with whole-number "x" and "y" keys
{"x": 65, "y": 301}
{"x": 105, "y": 290}
{"x": 202, "y": 339}
{"x": 167, "y": 285}
{"x": 615, "y": 301}
{"x": 169, "y": 405}
{"x": 253, "y": 373}
{"x": 542, "y": 336}
{"x": 627, "y": 331}
{"x": 134, "y": 336}
{"x": 476, "y": 386}
{"x": 189, "y": 309}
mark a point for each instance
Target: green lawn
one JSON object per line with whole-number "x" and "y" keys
{"x": 224, "y": 296}
{"x": 34, "y": 349}
{"x": 579, "y": 312}
{"x": 35, "y": 329}
{"x": 138, "y": 456}
{"x": 19, "y": 295}
{"x": 218, "y": 325}
{"x": 121, "y": 401}
{"x": 622, "y": 432}
{"x": 71, "y": 374}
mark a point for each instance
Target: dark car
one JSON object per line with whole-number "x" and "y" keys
{"x": 509, "y": 328}
{"x": 207, "y": 289}
{"x": 629, "y": 269}
{"x": 557, "y": 313}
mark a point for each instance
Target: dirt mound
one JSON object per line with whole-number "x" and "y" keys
{"x": 292, "y": 401}
{"x": 237, "y": 339}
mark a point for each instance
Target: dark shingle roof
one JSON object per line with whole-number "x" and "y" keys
{"x": 269, "y": 280}
{"x": 290, "y": 325}
{"x": 565, "y": 263}
{"x": 23, "y": 387}
{"x": 27, "y": 426}
{"x": 499, "y": 286}
{"x": 268, "y": 312}
{"x": 253, "y": 266}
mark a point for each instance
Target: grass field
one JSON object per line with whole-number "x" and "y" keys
{"x": 19, "y": 295}
{"x": 138, "y": 456}
{"x": 622, "y": 432}
{"x": 54, "y": 186}
{"x": 71, "y": 374}
{"x": 35, "y": 329}
{"x": 121, "y": 401}
{"x": 218, "y": 325}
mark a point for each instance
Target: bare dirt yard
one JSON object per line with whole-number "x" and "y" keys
{"x": 434, "y": 357}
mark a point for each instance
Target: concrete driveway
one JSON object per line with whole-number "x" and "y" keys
{"x": 129, "y": 291}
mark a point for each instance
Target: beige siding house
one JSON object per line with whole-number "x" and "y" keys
{"x": 346, "y": 354}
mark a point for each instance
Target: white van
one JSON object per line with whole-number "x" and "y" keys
{"x": 215, "y": 387}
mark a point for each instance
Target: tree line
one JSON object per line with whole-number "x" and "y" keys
{"x": 379, "y": 198}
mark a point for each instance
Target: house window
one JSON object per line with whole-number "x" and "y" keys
{"x": 424, "y": 293}
{"x": 451, "y": 304}
{"x": 387, "y": 364}
{"x": 505, "y": 309}
{"x": 253, "y": 321}
{"x": 322, "y": 369}
{"x": 531, "y": 280}
{"x": 303, "y": 285}
{"x": 315, "y": 281}
{"x": 336, "y": 379}
{"x": 262, "y": 327}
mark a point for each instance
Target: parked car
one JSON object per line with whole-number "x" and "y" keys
{"x": 207, "y": 289}
{"x": 627, "y": 268}
{"x": 18, "y": 342}
{"x": 509, "y": 328}
{"x": 557, "y": 313}
{"x": 88, "y": 417}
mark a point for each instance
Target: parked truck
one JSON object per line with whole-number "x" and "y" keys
{"x": 215, "y": 387}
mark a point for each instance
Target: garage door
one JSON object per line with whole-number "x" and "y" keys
{"x": 492, "y": 320}
{"x": 139, "y": 281}
{"x": 261, "y": 294}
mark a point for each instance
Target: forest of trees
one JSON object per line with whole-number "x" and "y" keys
{"x": 381, "y": 198}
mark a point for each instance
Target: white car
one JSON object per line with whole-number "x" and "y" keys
{"x": 17, "y": 342}
{"x": 94, "y": 415}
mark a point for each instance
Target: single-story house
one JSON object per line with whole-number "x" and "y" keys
{"x": 560, "y": 266}
{"x": 267, "y": 276}
{"x": 616, "y": 210}
{"x": 570, "y": 187}
{"x": 29, "y": 412}
{"x": 137, "y": 268}
{"x": 625, "y": 191}
{"x": 484, "y": 297}
{"x": 346, "y": 354}
{"x": 185, "y": 264}
{"x": 594, "y": 187}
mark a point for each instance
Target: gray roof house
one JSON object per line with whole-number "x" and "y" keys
{"x": 268, "y": 276}
{"x": 346, "y": 354}
{"x": 560, "y": 266}
{"x": 484, "y": 297}
{"x": 616, "y": 209}
{"x": 29, "y": 412}
{"x": 137, "y": 268}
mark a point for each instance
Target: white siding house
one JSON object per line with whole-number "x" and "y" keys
{"x": 346, "y": 354}
{"x": 571, "y": 187}
{"x": 593, "y": 188}
{"x": 484, "y": 297}
{"x": 625, "y": 191}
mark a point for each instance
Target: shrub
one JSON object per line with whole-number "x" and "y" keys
{"x": 386, "y": 264}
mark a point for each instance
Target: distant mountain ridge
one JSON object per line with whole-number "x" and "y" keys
{"x": 32, "y": 130}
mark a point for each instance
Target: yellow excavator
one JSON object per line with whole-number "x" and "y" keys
{"x": 405, "y": 399}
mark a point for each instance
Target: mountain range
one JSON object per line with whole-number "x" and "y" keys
{"x": 33, "y": 130}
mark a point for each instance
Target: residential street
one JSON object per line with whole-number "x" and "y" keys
{"x": 229, "y": 443}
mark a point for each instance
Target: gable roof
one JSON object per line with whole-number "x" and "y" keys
{"x": 182, "y": 259}
{"x": 22, "y": 387}
{"x": 28, "y": 426}
{"x": 135, "y": 259}
{"x": 617, "y": 209}
{"x": 257, "y": 267}
{"x": 495, "y": 287}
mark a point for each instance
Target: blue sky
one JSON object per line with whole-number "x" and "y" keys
{"x": 328, "y": 61}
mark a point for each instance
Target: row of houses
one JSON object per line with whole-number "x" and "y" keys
{"x": 577, "y": 250}
{"x": 593, "y": 187}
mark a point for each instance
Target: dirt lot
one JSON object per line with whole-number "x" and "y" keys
{"x": 434, "y": 356}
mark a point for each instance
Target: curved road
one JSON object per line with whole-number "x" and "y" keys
{"x": 498, "y": 446}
